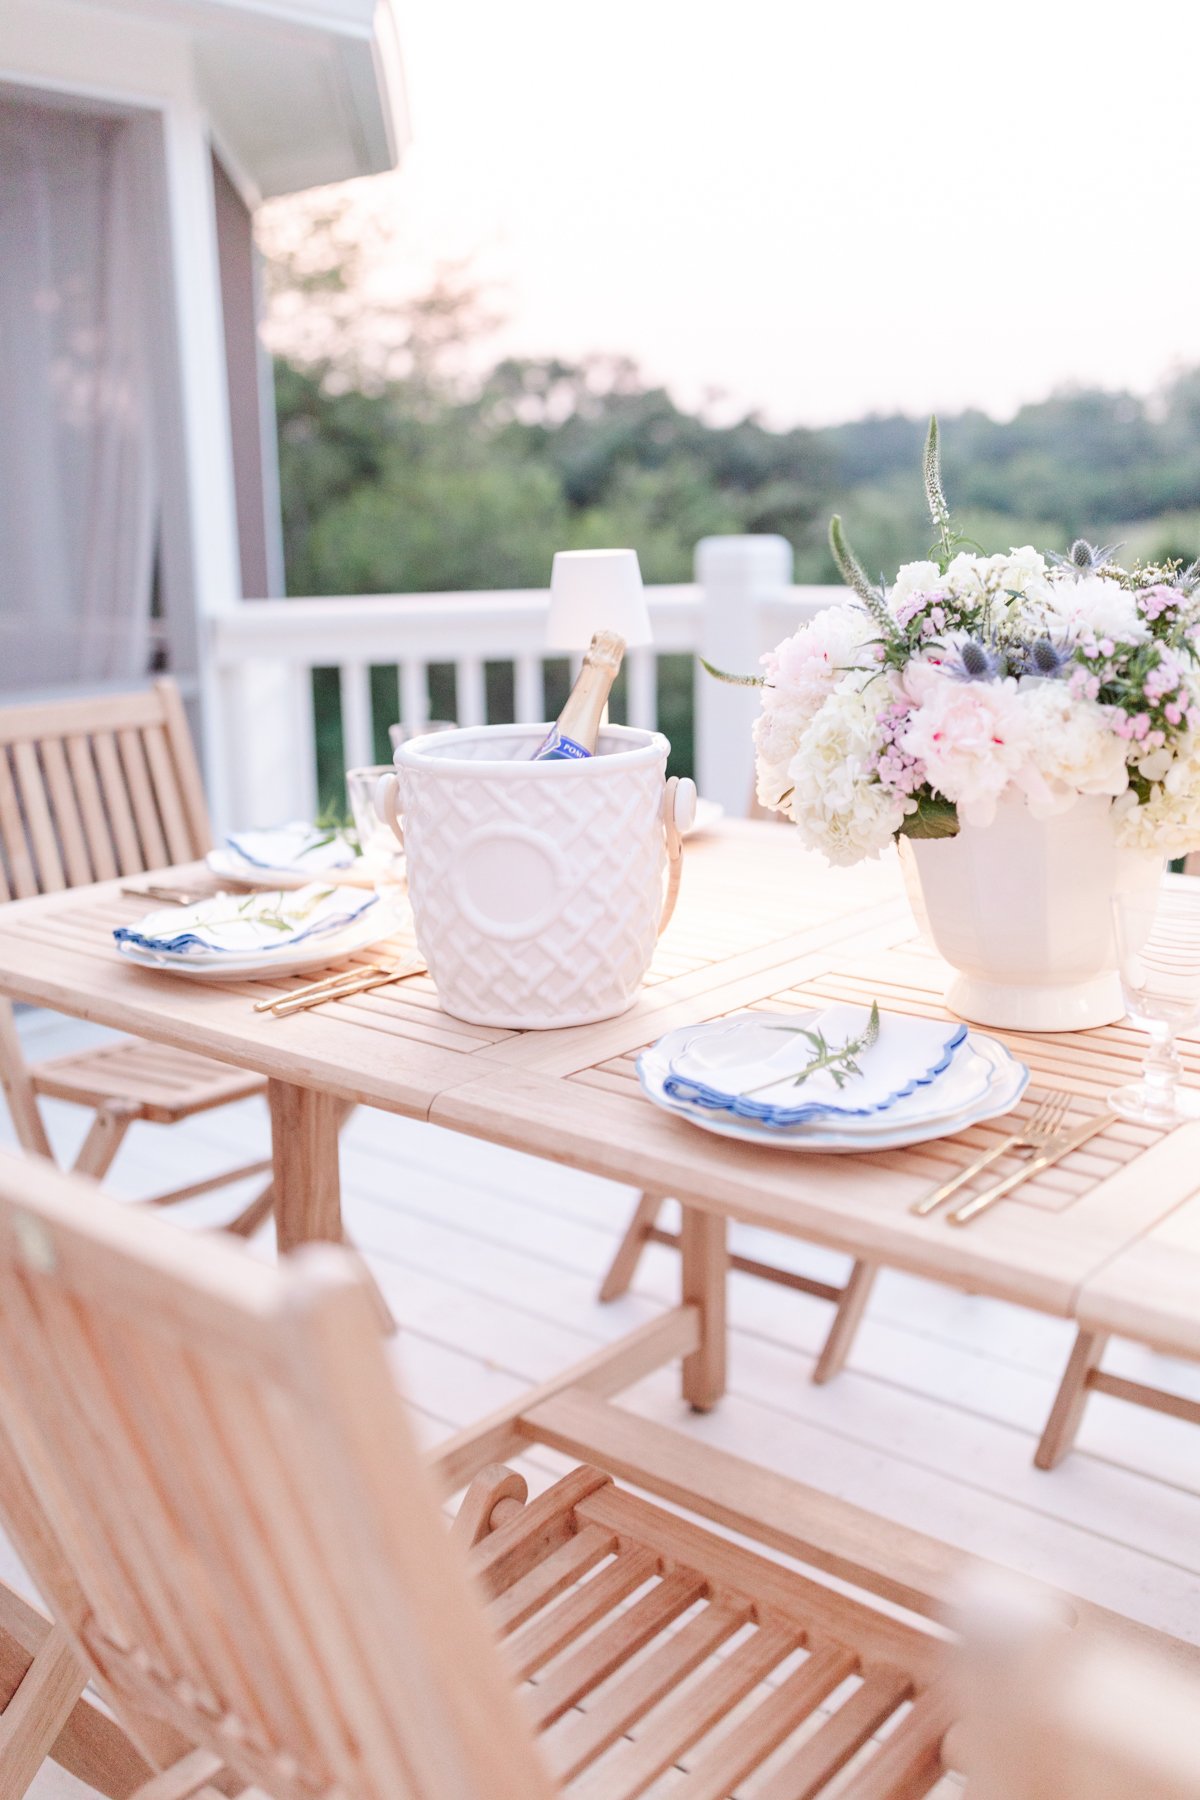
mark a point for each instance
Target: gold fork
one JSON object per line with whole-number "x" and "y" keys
{"x": 1042, "y": 1125}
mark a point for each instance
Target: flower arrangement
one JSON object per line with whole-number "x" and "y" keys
{"x": 917, "y": 707}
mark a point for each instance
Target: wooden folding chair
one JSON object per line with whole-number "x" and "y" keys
{"x": 849, "y": 1301}
{"x": 1046, "y": 1716}
{"x": 207, "y": 1468}
{"x": 91, "y": 789}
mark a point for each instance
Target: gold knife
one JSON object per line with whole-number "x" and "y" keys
{"x": 287, "y": 1009}
{"x": 1052, "y": 1154}
{"x": 354, "y": 972}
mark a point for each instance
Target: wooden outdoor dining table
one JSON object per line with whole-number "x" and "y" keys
{"x": 760, "y": 923}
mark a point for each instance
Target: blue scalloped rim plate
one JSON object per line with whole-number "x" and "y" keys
{"x": 689, "y": 1090}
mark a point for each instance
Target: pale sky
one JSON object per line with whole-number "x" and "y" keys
{"x": 820, "y": 209}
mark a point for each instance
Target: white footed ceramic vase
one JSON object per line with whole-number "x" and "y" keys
{"x": 536, "y": 887}
{"x": 1022, "y": 911}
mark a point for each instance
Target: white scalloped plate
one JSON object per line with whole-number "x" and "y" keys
{"x": 1009, "y": 1081}
{"x": 301, "y": 959}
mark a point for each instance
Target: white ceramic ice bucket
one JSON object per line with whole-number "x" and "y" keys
{"x": 536, "y": 887}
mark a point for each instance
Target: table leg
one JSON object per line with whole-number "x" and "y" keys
{"x": 304, "y": 1150}
{"x": 307, "y": 1185}
{"x": 705, "y": 1268}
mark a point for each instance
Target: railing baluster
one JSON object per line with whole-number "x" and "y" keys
{"x": 358, "y": 734}
{"x": 259, "y": 657}
{"x": 642, "y": 707}
{"x": 471, "y": 690}
{"x": 529, "y": 690}
{"x": 301, "y": 776}
{"x": 414, "y": 693}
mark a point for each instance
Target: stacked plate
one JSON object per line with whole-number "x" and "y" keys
{"x": 272, "y": 932}
{"x": 284, "y": 856}
{"x": 842, "y": 1079}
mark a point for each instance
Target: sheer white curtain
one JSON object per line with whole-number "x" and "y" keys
{"x": 79, "y": 498}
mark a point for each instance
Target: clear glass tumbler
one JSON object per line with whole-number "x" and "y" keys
{"x": 1158, "y": 950}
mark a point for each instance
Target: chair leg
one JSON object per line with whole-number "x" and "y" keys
{"x": 846, "y": 1321}
{"x": 623, "y": 1267}
{"x": 104, "y": 1139}
{"x": 1066, "y": 1414}
{"x": 34, "y": 1717}
{"x": 254, "y": 1215}
{"x": 17, "y": 1086}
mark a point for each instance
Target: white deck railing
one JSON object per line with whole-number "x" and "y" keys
{"x": 261, "y": 738}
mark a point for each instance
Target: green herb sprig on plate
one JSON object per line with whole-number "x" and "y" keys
{"x": 841, "y": 1059}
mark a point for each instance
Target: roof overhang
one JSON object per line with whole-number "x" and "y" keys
{"x": 299, "y": 92}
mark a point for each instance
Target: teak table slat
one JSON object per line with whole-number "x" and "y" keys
{"x": 760, "y": 924}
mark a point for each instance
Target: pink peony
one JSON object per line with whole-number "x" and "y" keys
{"x": 970, "y": 736}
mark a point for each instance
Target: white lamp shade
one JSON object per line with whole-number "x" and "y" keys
{"x": 596, "y": 590}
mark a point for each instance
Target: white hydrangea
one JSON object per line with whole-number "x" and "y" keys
{"x": 840, "y": 809}
{"x": 913, "y": 578}
{"x": 1169, "y": 822}
{"x": 1071, "y": 745}
{"x": 972, "y": 578}
{"x": 1095, "y": 604}
{"x": 801, "y": 673}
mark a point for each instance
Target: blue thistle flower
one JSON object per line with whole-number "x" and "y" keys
{"x": 1084, "y": 558}
{"x": 1187, "y": 580}
{"x": 1046, "y": 658}
{"x": 974, "y": 661}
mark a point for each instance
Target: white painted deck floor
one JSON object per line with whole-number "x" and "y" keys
{"x": 490, "y": 1261}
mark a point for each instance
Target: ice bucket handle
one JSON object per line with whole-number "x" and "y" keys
{"x": 679, "y": 813}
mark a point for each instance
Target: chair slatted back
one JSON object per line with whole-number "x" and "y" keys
{"x": 95, "y": 788}
{"x": 235, "y": 1525}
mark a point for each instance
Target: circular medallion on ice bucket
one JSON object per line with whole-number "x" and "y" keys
{"x": 509, "y": 879}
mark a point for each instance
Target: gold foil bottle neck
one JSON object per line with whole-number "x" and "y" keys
{"x": 606, "y": 650}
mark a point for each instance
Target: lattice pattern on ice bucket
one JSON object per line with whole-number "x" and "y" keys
{"x": 536, "y": 889}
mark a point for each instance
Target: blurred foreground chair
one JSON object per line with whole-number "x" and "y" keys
{"x": 1047, "y": 1715}
{"x": 91, "y": 790}
{"x": 206, "y": 1466}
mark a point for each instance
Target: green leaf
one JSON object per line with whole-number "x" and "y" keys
{"x": 733, "y": 680}
{"x": 934, "y": 818}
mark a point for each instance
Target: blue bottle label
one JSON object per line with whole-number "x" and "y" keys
{"x": 558, "y": 748}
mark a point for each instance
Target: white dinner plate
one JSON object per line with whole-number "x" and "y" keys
{"x": 299, "y": 959}
{"x": 1007, "y": 1081}
{"x": 229, "y": 866}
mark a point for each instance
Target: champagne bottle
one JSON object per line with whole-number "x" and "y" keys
{"x": 577, "y": 728}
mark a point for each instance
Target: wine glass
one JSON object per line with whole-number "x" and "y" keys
{"x": 382, "y": 856}
{"x": 1158, "y": 953}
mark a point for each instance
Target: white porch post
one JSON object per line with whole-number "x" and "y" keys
{"x": 736, "y": 576}
{"x": 212, "y": 552}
